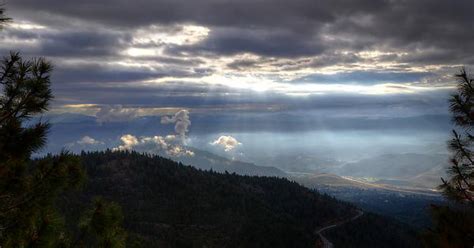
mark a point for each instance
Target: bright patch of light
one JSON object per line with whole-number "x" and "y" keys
{"x": 251, "y": 82}
{"x": 143, "y": 52}
{"x": 88, "y": 105}
{"x": 25, "y": 25}
{"x": 149, "y": 41}
{"x": 379, "y": 89}
{"x": 373, "y": 54}
{"x": 263, "y": 84}
{"x": 183, "y": 35}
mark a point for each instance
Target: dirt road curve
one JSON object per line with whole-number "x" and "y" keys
{"x": 325, "y": 242}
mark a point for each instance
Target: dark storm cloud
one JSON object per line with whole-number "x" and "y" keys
{"x": 91, "y": 73}
{"x": 280, "y": 43}
{"x": 102, "y": 73}
{"x": 95, "y": 43}
{"x": 248, "y": 13}
{"x": 70, "y": 43}
{"x": 293, "y": 28}
{"x": 180, "y": 61}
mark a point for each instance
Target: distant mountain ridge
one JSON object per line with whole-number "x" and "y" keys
{"x": 409, "y": 169}
{"x": 209, "y": 161}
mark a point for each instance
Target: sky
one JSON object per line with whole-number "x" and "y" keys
{"x": 252, "y": 70}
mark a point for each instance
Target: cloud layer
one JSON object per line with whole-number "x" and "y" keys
{"x": 247, "y": 55}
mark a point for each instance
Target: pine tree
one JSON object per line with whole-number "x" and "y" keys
{"x": 29, "y": 188}
{"x": 460, "y": 186}
{"x": 453, "y": 226}
{"x": 3, "y": 19}
{"x": 103, "y": 223}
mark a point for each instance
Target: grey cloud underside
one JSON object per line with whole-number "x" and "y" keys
{"x": 199, "y": 97}
{"x": 97, "y": 73}
{"x": 70, "y": 43}
{"x": 280, "y": 43}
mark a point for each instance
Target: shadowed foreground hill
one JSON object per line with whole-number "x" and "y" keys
{"x": 167, "y": 204}
{"x": 372, "y": 231}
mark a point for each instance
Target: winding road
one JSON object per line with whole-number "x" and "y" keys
{"x": 325, "y": 241}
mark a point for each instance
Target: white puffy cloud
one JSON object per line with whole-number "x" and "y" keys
{"x": 169, "y": 145}
{"x": 128, "y": 142}
{"x": 227, "y": 142}
{"x": 87, "y": 140}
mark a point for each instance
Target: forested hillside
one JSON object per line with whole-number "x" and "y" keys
{"x": 167, "y": 204}
{"x": 372, "y": 231}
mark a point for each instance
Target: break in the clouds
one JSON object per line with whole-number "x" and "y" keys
{"x": 125, "y": 58}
